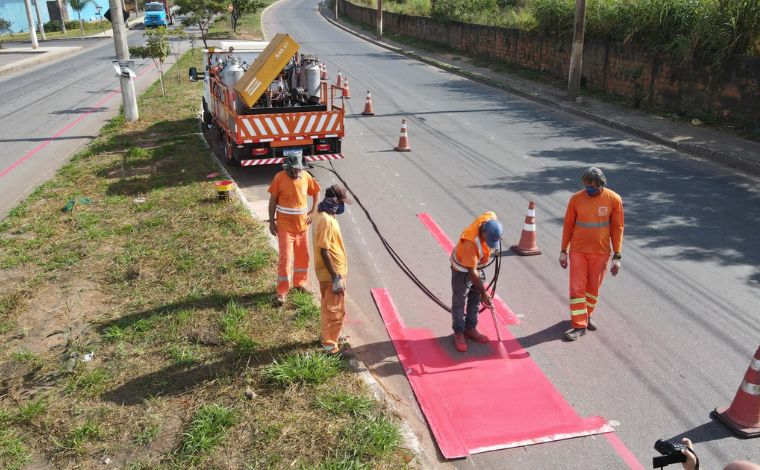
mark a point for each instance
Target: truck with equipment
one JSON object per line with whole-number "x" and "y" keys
{"x": 266, "y": 102}
{"x": 158, "y": 13}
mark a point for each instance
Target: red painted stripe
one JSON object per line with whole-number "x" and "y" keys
{"x": 623, "y": 451}
{"x": 65, "y": 129}
{"x": 505, "y": 314}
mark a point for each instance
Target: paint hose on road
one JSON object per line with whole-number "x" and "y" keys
{"x": 491, "y": 288}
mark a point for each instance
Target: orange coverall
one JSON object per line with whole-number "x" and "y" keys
{"x": 292, "y": 209}
{"x": 592, "y": 223}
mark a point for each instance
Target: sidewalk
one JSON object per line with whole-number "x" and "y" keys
{"x": 21, "y": 55}
{"x": 722, "y": 148}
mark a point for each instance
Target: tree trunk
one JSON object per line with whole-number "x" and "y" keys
{"x": 62, "y": 8}
{"x": 81, "y": 26}
{"x": 161, "y": 77}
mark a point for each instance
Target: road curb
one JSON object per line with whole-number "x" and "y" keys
{"x": 358, "y": 367}
{"x": 44, "y": 56}
{"x": 735, "y": 161}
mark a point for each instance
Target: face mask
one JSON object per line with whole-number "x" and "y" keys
{"x": 341, "y": 209}
{"x": 592, "y": 191}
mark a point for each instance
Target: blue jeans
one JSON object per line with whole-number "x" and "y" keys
{"x": 464, "y": 299}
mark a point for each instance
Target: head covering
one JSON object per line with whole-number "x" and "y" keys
{"x": 492, "y": 230}
{"x": 339, "y": 192}
{"x": 293, "y": 162}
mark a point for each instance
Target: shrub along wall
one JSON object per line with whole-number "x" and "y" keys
{"x": 730, "y": 94}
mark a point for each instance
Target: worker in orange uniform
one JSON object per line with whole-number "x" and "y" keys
{"x": 468, "y": 261}
{"x": 331, "y": 266}
{"x": 593, "y": 226}
{"x": 288, "y": 199}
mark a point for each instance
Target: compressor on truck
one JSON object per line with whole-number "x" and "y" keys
{"x": 273, "y": 108}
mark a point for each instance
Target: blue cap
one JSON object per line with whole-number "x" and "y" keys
{"x": 493, "y": 230}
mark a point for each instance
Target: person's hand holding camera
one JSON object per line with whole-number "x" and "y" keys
{"x": 691, "y": 462}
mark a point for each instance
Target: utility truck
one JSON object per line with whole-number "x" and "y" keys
{"x": 266, "y": 101}
{"x": 158, "y": 13}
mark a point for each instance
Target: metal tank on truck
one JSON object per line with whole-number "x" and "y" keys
{"x": 266, "y": 102}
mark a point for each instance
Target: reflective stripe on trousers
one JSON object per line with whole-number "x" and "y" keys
{"x": 586, "y": 275}
{"x": 293, "y": 260}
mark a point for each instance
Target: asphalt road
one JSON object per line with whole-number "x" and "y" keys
{"x": 52, "y": 110}
{"x": 677, "y": 327}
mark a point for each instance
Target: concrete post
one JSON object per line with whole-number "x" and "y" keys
{"x": 576, "y": 56}
{"x": 128, "y": 97}
{"x": 32, "y": 29}
{"x": 39, "y": 19}
{"x": 379, "y": 19}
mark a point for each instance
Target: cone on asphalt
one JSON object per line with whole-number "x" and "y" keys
{"x": 743, "y": 416}
{"x": 339, "y": 81}
{"x": 346, "y": 91}
{"x": 403, "y": 141}
{"x": 527, "y": 245}
{"x": 368, "y": 111}
{"x": 323, "y": 72}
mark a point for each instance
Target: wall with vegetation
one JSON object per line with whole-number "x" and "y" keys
{"x": 728, "y": 93}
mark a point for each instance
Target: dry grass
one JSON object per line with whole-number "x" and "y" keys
{"x": 138, "y": 332}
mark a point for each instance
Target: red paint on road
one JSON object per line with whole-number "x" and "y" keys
{"x": 73, "y": 123}
{"x": 481, "y": 400}
{"x": 503, "y": 312}
{"x": 623, "y": 451}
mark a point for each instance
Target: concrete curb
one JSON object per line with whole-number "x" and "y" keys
{"x": 358, "y": 367}
{"x": 730, "y": 159}
{"x": 43, "y": 56}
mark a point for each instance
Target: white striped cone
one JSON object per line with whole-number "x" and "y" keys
{"x": 323, "y": 72}
{"x": 339, "y": 81}
{"x": 743, "y": 416}
{"x": 346, "y": 91}
{"x": 368, "y": 111}
{"x": 403, "y": 141}
{"x": 527, "y": 245}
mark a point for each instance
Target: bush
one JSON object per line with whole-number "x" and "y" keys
{"x": 55, "y": 25}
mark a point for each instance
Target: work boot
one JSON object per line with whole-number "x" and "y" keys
{"x": 574, "y": 333}
{"x": 591, "y": 325}
{"x": 475, "y": 335}
{"x": 460, "y": 344}
{"x": 281, "y": 299}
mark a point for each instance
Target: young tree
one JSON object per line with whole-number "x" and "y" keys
{"x": 243, "y": 7}
{"x": 5, "y": 27}
{"x": 78, "y": 6}
{"x": 201, "y": 13}
{"x": 156, "y": 48}
{"x": 177, "y": 35}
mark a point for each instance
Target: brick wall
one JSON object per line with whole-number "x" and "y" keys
{"x": 731, "y": 94}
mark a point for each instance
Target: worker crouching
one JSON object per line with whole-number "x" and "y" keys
{"x": 468, "y": 261}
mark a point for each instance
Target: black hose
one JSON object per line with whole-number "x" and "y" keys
{"x": 400, "y": 262}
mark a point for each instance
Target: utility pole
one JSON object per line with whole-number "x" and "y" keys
{"x": 576, "y": 56}
{"x": 128, "y": 96}
{"x": 32, "y": 29}
{"x": 39, "y": 19}
{"x": 379, "y": 19}
{"x": 336, "y": 9}
{"x": 62, "y": 9}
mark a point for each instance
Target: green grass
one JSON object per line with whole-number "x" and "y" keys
{"x": 309, "y": 367}
{"x": 233, "y": 324}
{"x": 306, "y": 311}
{"x": 13, "y": 453}
{"x": 147, "y": 433}
{"x": 207, "y": 430}
{"x": 31, "y": 410}
{"x": 183, "y": 355}
{"x": 367, "y": 439}
{"x": 341, "y": 402}
{"x": 88, "y": 382}
{"x": 255, "y": 261}
{"x": 34, "y": 360}
{"x": 79, "y": 436}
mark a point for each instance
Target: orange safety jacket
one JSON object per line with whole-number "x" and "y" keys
{"x": 471, "y": 235}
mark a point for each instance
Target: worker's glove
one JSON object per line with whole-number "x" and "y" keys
{"x": 563, "y": 260}
{"x": 337, "y": 285}
{"x": 615, "y": 267}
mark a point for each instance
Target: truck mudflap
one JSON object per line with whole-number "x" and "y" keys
{"x": 306, "y": 158}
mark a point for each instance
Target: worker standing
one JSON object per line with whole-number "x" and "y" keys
{"x": 468, "y": 261}
{"x": 593, "y": 227}
{"x": 288, "y": 200}
{"x": 331, "y": 266}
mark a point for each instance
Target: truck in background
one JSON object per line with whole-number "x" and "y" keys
{"x": 158, "y": 13}
{"x": 265, "y": 102}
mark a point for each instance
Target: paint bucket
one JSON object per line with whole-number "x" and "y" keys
{"x": 223, "y": 189}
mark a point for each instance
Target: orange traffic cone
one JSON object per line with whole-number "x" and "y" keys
{"x": 527, "y": 245}
{"x": 346, "y": 91}
{"x": 403, "y": 141}
{"x": 368, "y": 111}
{"x": 323, "y": 72}
{"x": 743, "y": 416}
{"x": 339, "y": 81}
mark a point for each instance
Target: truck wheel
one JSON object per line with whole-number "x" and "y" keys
{"x": 206, "y": 114}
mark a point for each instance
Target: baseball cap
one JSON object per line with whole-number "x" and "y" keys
{"x": 339, "y": 192}
{"x": 493, "y": 230}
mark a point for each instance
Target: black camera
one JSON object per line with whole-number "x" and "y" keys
{"x": 671, "y": 453}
